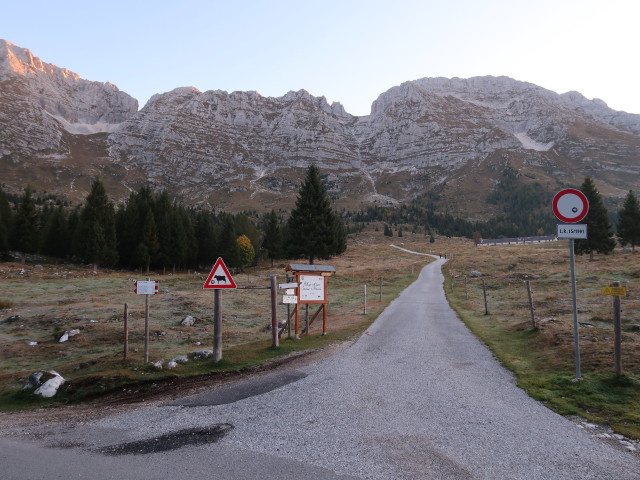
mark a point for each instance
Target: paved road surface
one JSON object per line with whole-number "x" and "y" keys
{"x": 416, "y": 397}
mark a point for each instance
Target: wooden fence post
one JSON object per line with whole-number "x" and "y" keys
{"x": 533, "y": 312}
{"x": 274, "y": 314}
{"x": 617, "y": 331}
{"x": 364, "y": 312}
{"x": 484, "y": 292}
{"x": 126, "y": 331}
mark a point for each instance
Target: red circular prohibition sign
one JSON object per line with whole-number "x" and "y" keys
{"x": 570, "y": 205}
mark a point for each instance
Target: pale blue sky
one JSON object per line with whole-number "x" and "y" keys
{"x": 347, "y": 51}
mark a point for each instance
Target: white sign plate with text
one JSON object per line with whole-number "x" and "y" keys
{"x": 289, "y": 299}
{"x": 578, "y": 231}
{"x": 311, "y": 288}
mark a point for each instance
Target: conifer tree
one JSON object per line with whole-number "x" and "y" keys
{"x": 315, "y": 231}
{"x": 206, "y": 236}
{"x": 228, "y": 247}
{"x": 26, "y": 226}
{"x": 95, "y": 235}
{"x": 272, "y": 241}
{"x": 149, "y": 246}
{"x": 600, "y": 239}
{"x": 5, "y": 225}
{"x": 57, "y": 239}
{"x": 629, "y": 222}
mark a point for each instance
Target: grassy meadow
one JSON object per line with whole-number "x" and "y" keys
{"x": 39, "y": 303}
{"x": 542, "y": 357}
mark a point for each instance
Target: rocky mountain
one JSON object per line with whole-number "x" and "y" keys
{"x": 450, "y": 138}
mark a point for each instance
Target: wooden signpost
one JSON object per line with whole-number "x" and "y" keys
{"x": 147, "y": 288}
{"x": 311, "y": 289}
{"x": 616, "y": 291}
{"x": 218, "y": 278}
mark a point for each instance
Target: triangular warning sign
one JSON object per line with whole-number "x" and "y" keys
{"x": 219, "y": 276}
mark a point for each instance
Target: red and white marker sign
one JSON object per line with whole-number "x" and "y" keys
{"x": 219, "y": 276}
{"x": 570, "y": 205}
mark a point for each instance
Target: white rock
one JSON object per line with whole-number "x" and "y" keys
{"x": 49, "y": 388}
{"x": 64, "y": 337}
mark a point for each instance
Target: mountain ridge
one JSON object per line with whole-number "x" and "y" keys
{"x": 241, "y": 150}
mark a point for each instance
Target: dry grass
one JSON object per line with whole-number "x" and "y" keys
{"x": 543, "y": 357}
{"x": 45, "y": 302}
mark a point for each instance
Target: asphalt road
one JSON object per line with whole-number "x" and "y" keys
{"x": 416, "y": 397}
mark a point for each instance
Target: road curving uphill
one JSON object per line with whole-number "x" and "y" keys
{"x": 416, "y": 397}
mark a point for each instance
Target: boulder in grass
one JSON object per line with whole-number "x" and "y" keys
{"x": 50, "y": 387}
{"x": 34, "y": 381}
{"x": 475, "y": 274}
{"x": 202, "y": 354}
{"x": 171, "y": 365}
{"x": 181, "y": 359}
{"x": 188, "y": 321}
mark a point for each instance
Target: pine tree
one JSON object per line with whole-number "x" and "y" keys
{"x": 600, "y": 239}
{"x": 56, "y": 236}
{"x": 315, "y": 231}
{"x": 26, "y": 226}
{"x": 228, "y": 245}
{"x": 629, "y": 222}
{"x": 272, "y": 242}
{"x": 5, "y": 225}
{"x": 206, "y": 235}
{"x": 95, "y": 235}
{"x": 149, "y": 246}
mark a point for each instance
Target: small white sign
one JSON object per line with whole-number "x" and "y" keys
{"x": 311, "y": 288}
{"x": 147, "y": 287}
{"x": 290, "y": 291}
{"x": 288, "y": 285}
{"x": 289, "y": 299}
{"x": 578, "y": 231}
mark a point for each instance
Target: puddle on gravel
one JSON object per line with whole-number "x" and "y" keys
{"x": 170, "y": 441}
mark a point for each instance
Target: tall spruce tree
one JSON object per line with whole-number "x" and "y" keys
{"x": 95, "y": 235}
{"x": 629, "y": 221}
{"x": 5, "y": 225}
{"x": 26, "y": 230}
{"x": 56, "y": 239}
{"x": 315, "y": 230}
{"x": 600, "y": 238}
{"x": 272, "y": 242}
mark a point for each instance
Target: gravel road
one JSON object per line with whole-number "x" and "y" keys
{"x": 416, "y": 397}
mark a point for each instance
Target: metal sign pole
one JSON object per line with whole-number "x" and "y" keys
{"x": 576, "y": 337}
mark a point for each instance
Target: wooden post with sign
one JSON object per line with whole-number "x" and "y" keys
{"x": 616, "y": 291}
{"x": 218, "y": 278}
{"x": 311, "y": 289}
{"x": 146, "y": 288}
